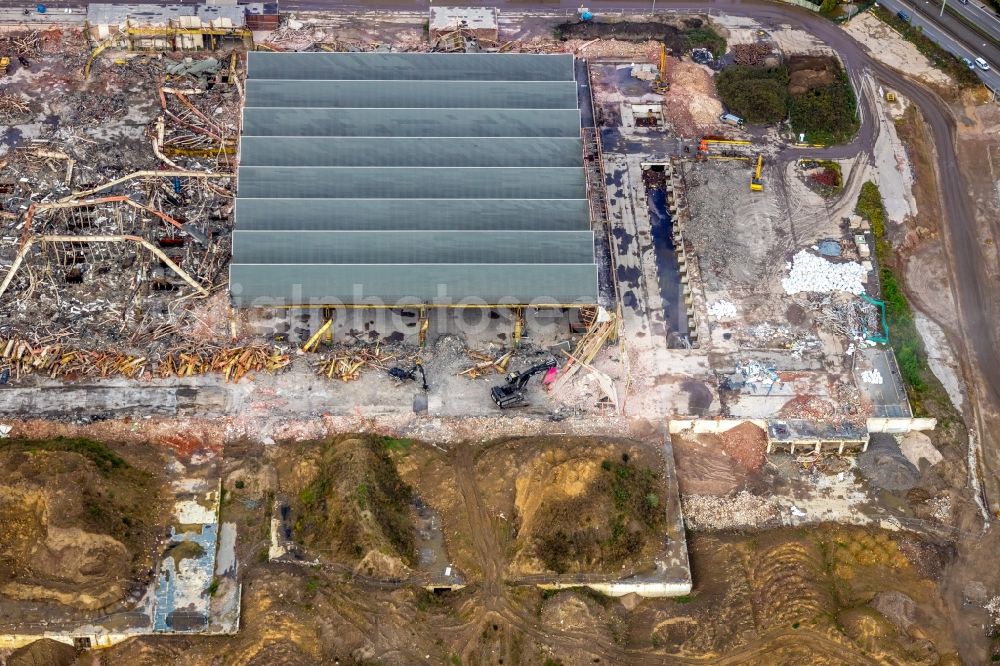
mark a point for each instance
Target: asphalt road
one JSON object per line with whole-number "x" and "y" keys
{"x": 978, "y": 13}
{"x": 953, "y": 35}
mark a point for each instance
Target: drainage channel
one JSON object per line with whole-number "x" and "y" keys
{"x": 668, "y": 267}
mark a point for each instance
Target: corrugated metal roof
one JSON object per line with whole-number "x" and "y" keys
{"x": 413, "y": 247}
{"x": 388, "y": 177}
{"x": 411, "y": 151}
{"x": 253, "y": 285}
{"x": 412, "y": 214}
{"x": 261, "y": 121}
{"x": 410, "y": 66}
{"x": 407, "y": 183}
{"x": 412, "y": 94}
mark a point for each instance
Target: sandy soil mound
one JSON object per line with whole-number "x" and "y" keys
{"x": 691, "y": 105}
{"x": 348, "y": 500}
{"x": 576, "y": 504}
{"x": 45, "y": 652}
{"x": 77, "y": 522}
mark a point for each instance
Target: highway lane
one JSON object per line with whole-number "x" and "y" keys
{"x": 977, "y": 13}
{"x": 952, "y": 35}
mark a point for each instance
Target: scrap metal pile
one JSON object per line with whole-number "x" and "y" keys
{"x": 347, "y": 363}
{"x": 55, "y": 359}
{"x": 110, "y": 267}
{"x": 486, "y": 364}
{"x": 99, "y": 244}
{"x": 854, "y": 317}
{"x": 751, "y": 54}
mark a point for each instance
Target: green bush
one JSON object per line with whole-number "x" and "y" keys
{"x": 825, "y": 115}
{"x": 706, "y": 37}
{"x": 903, "y": 335}
{"x": 870, "y": 207}
{"x": 755, "y": 94}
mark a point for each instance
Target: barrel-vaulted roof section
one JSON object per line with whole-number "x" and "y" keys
{"x": 409, "y": 66}
{"x": 412, "y": 214}
{"x": 403, "y": 178}
{"x": 318, "y": 151}
{"x": 281, "y": 122}
{"x": 412, "y": 94}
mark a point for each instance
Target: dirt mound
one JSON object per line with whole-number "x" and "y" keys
{"x": 885, "y": 465}
{"x": 581, "y": 611}
{"x": 631, "y": 31}
{"x": 810, "y": 73}
{"x": 898, "y": 608}
{"x": 45, "y": 652}
{"x": 379, "y": 565}
{"x": 78, "y": 522}
{"x": 691, "y": 104}
{"x": 349, "y": 501}
{"x": 577, "y": 504}
{"x": 787, "y": 584}
{"x": 747, "y": 444}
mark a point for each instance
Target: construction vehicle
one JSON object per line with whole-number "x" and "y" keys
{"x": 756, "y": 184}
{"x": 661, "y": 85}
{"x": 4, "y": 64}
{"x": 511, "y": 394}
{"x": 718, "y": 148}
{"x": 730, "y": 119}
{"x": 402, "y": 374}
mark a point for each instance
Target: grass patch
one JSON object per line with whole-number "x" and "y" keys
{"x": 943, "y": 60}
{"x": 106, "y": 460}
{"x": 357, "y": 502}
{"x": 756, "y": 94}
{"x": 397, "y": 445}
{"x": 629, "y": 496}
{"x": 825, "y": 115}
{"x": 706, "y": 37}
{"x": 760, "y": 95}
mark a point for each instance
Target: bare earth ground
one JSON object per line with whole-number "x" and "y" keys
{"x": 885, "y": 44}
{"x": 78, "y": 525}
{"x": 780, "y": 597}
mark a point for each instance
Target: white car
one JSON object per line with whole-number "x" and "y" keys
{"x": 982, "y": 64}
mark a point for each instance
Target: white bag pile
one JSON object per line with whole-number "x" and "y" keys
{"x": 872, "y": 376}
{"x": 809, "y": 272}
{"x": 720, "y": 309}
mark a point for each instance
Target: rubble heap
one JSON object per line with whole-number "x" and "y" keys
{"x": 812, "y": 273}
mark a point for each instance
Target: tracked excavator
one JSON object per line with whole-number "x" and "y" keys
{"x": 511, "y": 394}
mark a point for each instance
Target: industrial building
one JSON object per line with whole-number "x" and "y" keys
{"x": 430, "y": 179}
{"x": 177, "y": 27}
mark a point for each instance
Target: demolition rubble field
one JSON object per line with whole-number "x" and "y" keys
{"x": 337, "y": 495}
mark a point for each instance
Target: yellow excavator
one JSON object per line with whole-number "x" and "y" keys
{"x": 661, "y": 85}
{"x": 756, "y": 184}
